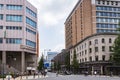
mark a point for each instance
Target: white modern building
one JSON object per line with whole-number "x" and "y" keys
{"x": 18, "y": 35}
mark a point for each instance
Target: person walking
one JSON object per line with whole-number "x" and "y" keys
{"x": 95, "y": 73}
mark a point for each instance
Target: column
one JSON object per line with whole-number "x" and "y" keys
{"x": 92, "y": 72}
{"x": 101, "y": 70}
{"x": 3, "y": 57}
{"x": 23, "y": 61}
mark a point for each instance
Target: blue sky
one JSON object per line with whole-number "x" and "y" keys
{"x": 51, "y": 17}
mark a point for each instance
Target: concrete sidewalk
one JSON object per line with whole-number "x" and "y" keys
{"x": 26, "y": 77}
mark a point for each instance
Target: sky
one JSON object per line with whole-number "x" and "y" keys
{"x": 51, "y": 17}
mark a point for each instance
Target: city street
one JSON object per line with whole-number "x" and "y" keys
{"x": 52, "y": 76}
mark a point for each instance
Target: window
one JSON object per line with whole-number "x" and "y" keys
{"x": 1, "y": 27}
{"x": 1, "y": 6}
{"x": 110, "y": 48}
{"x": 82, "y": 60}
{"x": 96, "y": 41}
{"x": 14, "y": 18}
{"x": 107, "y": 2}
{"x": 31, "y": 43}
{"x": 96, "y": 49}
{"x": 96, "y": 58}
{"x": 110, "y": 40}
{"x": 31, "y": 22}
{"x": 90, "y": 43}
{"x": 85, "y": 52}
{"x": 31, "y": 12}
{"x": 30, "y": 31}
{"x": 13, "y": 40}
{"x": 116, "y": 3}
{"x": 1, "y": 16}
{"x": 80, "y": 53}
{"x": 90, "y": 50}
{"x": 90, "y": 58}
{"x": 112, "y": 2}
{"x": 103, "y": 48}
{"x": 1, "y": 40}
{"x": 103, "y": 40}
{"x": 13, "y": 28}
{"x": 14, "y": 7}
{"x": 98, "y": 2}
{"x": 103, "y": 57}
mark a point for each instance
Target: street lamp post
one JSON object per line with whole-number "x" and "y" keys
{"x": 15, "y": 64}
{"x": 3, "y": 71}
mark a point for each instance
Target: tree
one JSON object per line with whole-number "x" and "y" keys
{"x": 55, "y": 65}
{"x": 75, "y": 63}
{"x": 58, "y": 65}
{"x": 67, "y": 61}
{"x": 41, "y": 63}
{"x": 116, "y": 50}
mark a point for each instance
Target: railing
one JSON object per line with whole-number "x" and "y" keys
{"x": 7, "y": 70}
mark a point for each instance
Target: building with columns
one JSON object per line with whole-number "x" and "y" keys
{"x": 94, "y": 52}
{"x": 92, "y": 17}
{"x": 18, "y": 35}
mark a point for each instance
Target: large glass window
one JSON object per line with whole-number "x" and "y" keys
{"x": 1, "y": 16}
{"x": 31, "y": 22}
{"x": 30, "y": 31}
{"x": 14, "y": 18}
{"x": 1, "y": 6}
{"x": 31, "y": 43}
{"x": 108, "y": 20}
{"x": 31, "y": 12}
{"x": 1, "y": 40}
{"x": 14, "y": 7}
{"x": 13, "y": 40}
{"x": 109, "y": 14}
{"x": 107, "y": 8}
{"x": 102, "y": 25}
{"x": 107, "y": 30}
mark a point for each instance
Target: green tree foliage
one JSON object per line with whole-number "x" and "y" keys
{"x": 41, "y": 63}
{"x": 67, "y": 61}
{"x": 58, "y": 65}
{"x": 116, "y": 49}
{"x": 75, "y": 63}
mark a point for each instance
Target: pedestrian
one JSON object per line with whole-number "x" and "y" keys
{"x": 8, "y": 77}
{"x": 111, "y": 73}
{"x": 95, "y": 73}
{"x": 57, "y": 74}
{"x": 34, "y": 74}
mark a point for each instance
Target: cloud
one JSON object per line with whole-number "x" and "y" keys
{"x": 59, "y": 47}
{"x": 51, "y": 17}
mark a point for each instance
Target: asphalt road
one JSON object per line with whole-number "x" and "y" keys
{"x": 52, "y": 76}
